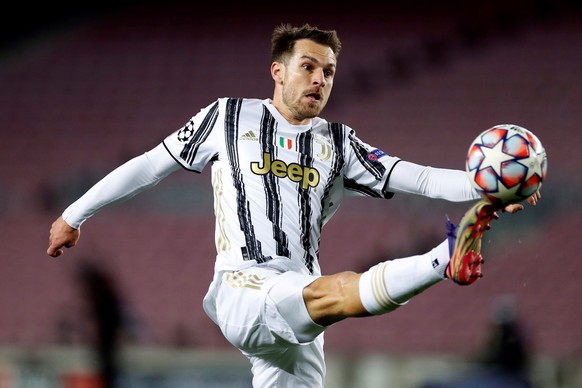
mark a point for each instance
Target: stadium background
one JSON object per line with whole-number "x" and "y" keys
{"x": 86, "y": 87}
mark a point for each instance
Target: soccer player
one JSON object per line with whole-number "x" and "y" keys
{"x": 279, "y": 173}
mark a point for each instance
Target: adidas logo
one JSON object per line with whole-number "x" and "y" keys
{"x": 249, "y": 136}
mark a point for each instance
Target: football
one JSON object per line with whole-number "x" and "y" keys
{"x": 506, "y": 164}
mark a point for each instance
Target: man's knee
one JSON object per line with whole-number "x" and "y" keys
{"x": 330, "y": 299}
{"x": 285, "y": 299}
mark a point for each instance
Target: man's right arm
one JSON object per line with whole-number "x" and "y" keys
{"x": 126, "y": 181}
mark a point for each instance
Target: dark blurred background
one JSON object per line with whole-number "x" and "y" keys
{"x": 85, "y": 87}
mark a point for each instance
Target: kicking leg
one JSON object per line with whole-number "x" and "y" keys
{"x": 390, "y": 284}
{"x": 381, "y": 289}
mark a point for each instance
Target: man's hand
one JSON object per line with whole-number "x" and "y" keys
{"x": 61, "y": 236}
{"x": 515, "y": 207}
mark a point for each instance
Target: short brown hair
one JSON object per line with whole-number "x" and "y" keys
{"x": 285, "y": 36}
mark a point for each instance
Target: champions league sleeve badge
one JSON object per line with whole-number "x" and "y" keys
{"x": 375, "y": 154}
{"x": 186, "y": 132}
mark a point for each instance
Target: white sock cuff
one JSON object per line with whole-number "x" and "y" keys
{"x": 373, "y": 292}
{"x": 440, "y": 258}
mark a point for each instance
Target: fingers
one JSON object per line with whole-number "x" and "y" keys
{"x": 534, "y": 198}
{"x": 54, "y": 252}
{"x": 55, "y": 249}
{"x": 513, "y": 208}
{"x": 516, "y": 207}
{"x": 61, "y": 236}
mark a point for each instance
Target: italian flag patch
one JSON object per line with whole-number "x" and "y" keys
{"x": 285, "y": 142}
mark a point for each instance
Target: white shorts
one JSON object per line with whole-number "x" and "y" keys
{"x": 261, "y": 311}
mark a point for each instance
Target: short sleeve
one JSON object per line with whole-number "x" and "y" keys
{"x": 367, "y": 169}
{"x": 198, "y": 141}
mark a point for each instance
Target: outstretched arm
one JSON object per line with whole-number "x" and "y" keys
{"x": 447, "y": 184}
{"x": 126, "y": 181}
{"x": 451, "y": 185}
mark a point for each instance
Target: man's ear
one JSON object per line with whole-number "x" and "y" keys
{"x": 278, "y": 72}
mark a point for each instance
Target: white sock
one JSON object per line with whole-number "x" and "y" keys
{"x": 390, "y": 284}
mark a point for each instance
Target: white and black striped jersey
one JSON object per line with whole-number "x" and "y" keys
{"x": 275, "y": 184}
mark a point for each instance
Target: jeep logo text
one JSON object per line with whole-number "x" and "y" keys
{"x": 309, "y": 177}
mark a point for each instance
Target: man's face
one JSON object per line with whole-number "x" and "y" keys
{"x": 307, "y": 80}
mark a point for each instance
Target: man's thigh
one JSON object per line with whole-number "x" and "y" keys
{"x": 260, "y": 310}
